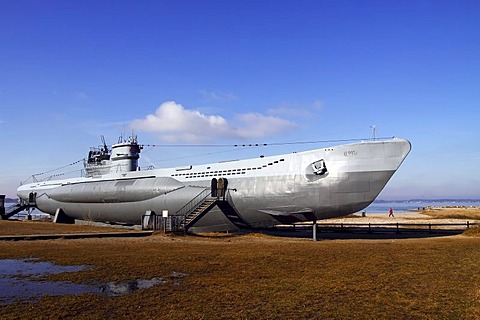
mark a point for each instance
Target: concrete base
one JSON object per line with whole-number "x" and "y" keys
{"x": 61, "y": 217}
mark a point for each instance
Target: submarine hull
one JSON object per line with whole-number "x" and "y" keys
{"x": 310, "y": 185}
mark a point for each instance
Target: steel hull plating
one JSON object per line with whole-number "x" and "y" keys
{"x": 265, "y": 191}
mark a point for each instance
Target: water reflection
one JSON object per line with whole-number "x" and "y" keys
{"x": 20, "y": 280}
{"x": 120, "y": 288}
{"x": 31, "y": 267}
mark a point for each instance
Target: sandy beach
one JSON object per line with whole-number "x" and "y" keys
{"x": 428, "y": 215}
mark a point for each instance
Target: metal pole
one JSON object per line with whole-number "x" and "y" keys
{"x": 314, "y": 230}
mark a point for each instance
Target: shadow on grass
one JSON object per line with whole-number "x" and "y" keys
{"x": 375, "y": 233}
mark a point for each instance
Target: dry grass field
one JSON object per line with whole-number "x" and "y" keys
{"x": 256, "y": 276}
{"x": 452, "y": 212}
{"x": 25, "y": 227}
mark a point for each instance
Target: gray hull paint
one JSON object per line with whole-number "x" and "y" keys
{"x": 339, "y": 200}
{"x": 265, "y": 192}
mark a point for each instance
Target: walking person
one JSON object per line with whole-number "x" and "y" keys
{"x": 390, "y": 213}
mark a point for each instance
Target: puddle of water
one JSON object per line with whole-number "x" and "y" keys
{"x": 24, "y": 289}
{"x": 20, "y": 280}
{"x": 31, "y": 267}
{"x": 120, "y": 288}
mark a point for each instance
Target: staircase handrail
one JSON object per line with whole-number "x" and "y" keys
{"x": 194, "y": 203}
{"x": 12, "y": 207}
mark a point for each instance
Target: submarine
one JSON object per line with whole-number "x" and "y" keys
{"x": 251, "y": 193}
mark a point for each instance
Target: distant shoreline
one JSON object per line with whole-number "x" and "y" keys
{"x": 426, "y": 200}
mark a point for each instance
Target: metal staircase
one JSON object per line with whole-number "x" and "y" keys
{"x": 187, "y": 216}
{"x": 225, "y": 204}
{"x": 202, "y": 209}
{"x": 14, "y": 209}
{"x": 232, "y": 214}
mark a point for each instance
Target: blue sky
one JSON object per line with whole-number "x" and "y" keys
{"x": 261, "y": 71}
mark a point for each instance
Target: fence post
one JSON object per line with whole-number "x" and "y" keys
{"x": 468, "y": 224}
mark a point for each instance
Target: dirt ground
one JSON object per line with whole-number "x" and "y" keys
{"x": 259, "y": 276}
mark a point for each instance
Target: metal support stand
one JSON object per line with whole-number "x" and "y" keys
{"x": 61, "y": 217}
{"x": 149, "y": 220}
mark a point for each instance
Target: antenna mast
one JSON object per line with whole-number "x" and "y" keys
{"x": 374, "y": 132}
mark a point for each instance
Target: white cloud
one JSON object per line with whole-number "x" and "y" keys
{"x": 256, "y": 125}
{"x": 290, "y": 111}
{"x": 318, "y": 105}
{"x": 218, "y": 96}
{"x": 175, "y": 123}
{"x": 297, "y": 110}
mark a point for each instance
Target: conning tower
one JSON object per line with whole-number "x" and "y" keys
{"x": 123, "y": 157}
